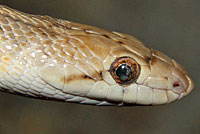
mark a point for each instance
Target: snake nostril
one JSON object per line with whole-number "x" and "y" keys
{"x": 176, "y": 84}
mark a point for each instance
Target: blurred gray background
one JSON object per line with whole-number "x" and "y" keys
{"x": 171, "y": 26}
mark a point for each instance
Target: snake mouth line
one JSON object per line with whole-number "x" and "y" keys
{"x": 190, "y": 85}
{"x": 49, "y": 58}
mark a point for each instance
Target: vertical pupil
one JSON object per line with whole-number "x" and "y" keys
{"x": 124, "y": 72}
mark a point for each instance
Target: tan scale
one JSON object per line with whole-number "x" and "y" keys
{"x": 50, "y": 58}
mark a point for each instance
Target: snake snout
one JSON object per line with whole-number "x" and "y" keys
{"x": 181, "y": 82}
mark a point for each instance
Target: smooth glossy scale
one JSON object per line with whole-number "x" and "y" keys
{"x": 55, "y": 59}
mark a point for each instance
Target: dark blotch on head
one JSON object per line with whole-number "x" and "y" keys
{"x": 147, "y": 59}
{"x": 120, "y": 42}
{"x": 106, "y": 36}
{"x": 87, "y": 77}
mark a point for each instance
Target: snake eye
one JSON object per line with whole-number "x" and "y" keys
{"x": 125, "y": 70}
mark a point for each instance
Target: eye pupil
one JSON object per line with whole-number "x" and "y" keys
{"x": 124, "y": 72}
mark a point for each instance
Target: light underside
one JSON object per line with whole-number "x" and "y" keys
{"x": 42, "y": 57}
{"x": 99, "y": 94}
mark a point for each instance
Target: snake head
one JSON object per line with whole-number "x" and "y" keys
{"x": 49, "y": 58}
{"x": 145, "y": 78}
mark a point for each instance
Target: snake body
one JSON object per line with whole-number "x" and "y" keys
{"x": 50, "y": 58}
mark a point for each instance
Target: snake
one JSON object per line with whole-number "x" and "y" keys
{"x": 54, "y": 59}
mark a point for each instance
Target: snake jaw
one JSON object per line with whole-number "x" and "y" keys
{"x": 51, "y": 58}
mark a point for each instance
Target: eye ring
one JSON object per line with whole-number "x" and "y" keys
{"x": 125, "y": 70}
